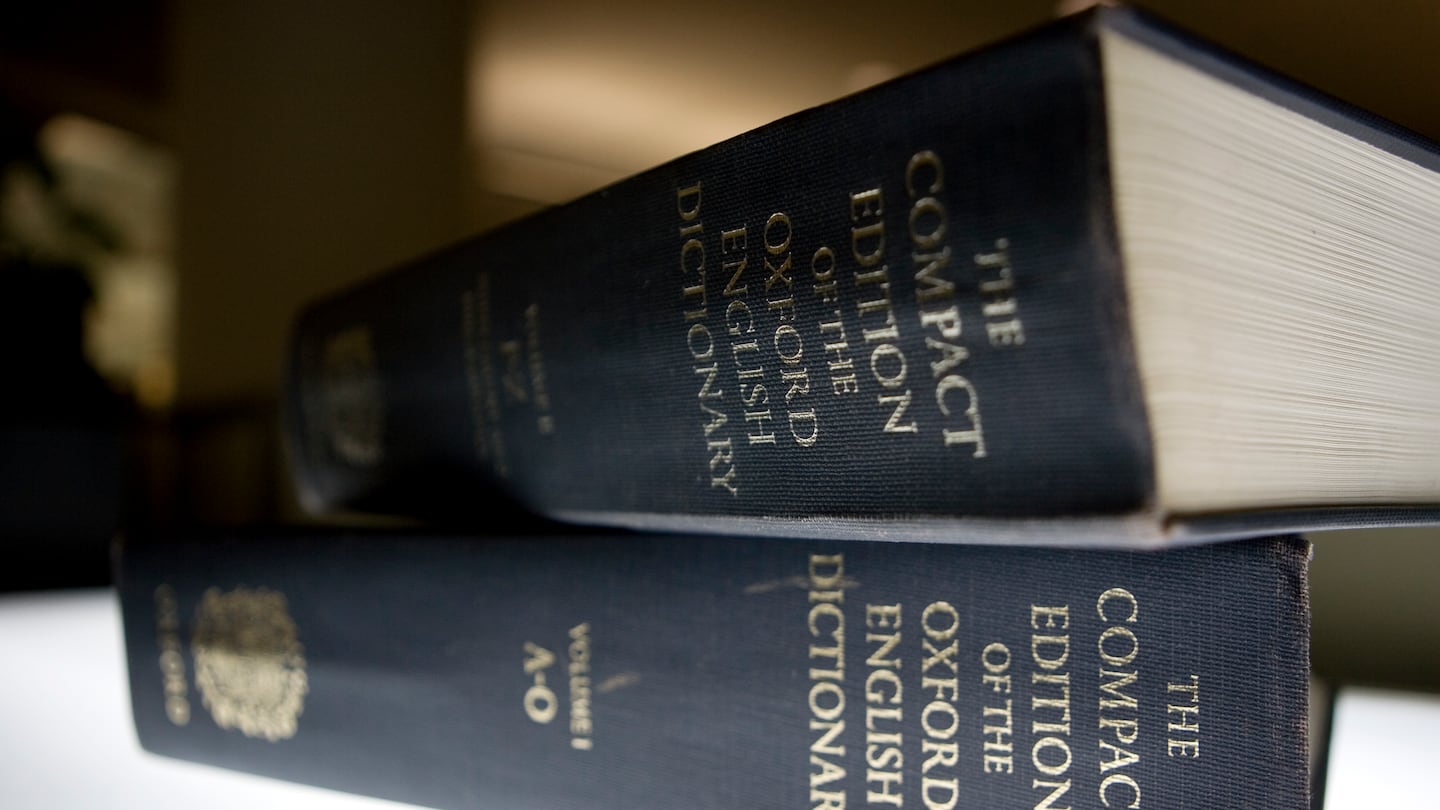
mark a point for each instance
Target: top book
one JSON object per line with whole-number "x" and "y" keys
{"x": 1100, "y": 282}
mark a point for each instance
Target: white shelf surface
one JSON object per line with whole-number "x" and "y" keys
{"x": 66, "y": 737}
{"x": 1383, "y": 750}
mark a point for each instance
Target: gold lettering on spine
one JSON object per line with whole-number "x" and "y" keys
{"x": 477, "y": 323}
{"x": 541, "y": 705}
{"x": 826, "y": 623}
{"x": 924, "y": 178}
{"x": 1131, "y": 790}
{"x": 972, "y": 435}
{"x": 745, "y": 348}
{"x": 1056, "y": 792}
{"x": 582, "y": 725}
{"x": 1050, "y": 755}
{"x": 884, "y": 694}
{"x": 998, "y": 717}
{"x": 929, "y": 223}
{"x": 695, "y": 310}
{"x": 733, "y": 268}
{"x": 997, "y": 292}
{"x": 1119, "y": 715}
{"x": 788, "y": 343}
{"x": 832, "y": 326}
{"x": 939, "y": 720}
{"x": 876, "y": 310}
{"x": 753, "y": 348}
{"x": 540, "y": 701}
{"x": 1183, "y": 709}
{"x": 172, "y": 656}
{"x": 535, "y": 361}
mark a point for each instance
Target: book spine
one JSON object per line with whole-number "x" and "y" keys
{"x": 643, "y": 672}
{"x": 906, "y": 302}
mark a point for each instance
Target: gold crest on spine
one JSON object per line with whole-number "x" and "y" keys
{"x": 352, "y": 401}
{"x": 249, "y": 664}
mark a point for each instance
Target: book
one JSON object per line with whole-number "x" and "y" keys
{"x": 638, "y": 670}
{"x": 1103, "y": 272}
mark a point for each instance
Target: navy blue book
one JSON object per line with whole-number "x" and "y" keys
{"x": 644, "y": 671}
{"x": 1101, "y": 282}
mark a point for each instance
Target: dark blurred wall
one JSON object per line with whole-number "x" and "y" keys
{"x": 318, "y": 142}
{"x": 1376, "y": 607}
{"x": 1383, "y": 55}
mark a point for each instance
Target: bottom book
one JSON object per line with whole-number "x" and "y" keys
{"x": 625, "y": 671}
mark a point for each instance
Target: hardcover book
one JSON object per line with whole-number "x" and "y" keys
{"x": 1103, "y": 271}
{"x": 644, "y": 671}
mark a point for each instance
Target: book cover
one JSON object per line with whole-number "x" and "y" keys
{"x": 644, "y": 671}
{"x": 1097, "y": 272}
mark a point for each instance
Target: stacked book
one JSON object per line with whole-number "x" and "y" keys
{"x": 944, "y": 446}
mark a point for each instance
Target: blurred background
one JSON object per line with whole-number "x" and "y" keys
{"x": 179, "y": 177}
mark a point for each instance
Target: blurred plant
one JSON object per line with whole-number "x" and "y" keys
{"x": 38, "y": 222}
{"x": 48, "y": 246}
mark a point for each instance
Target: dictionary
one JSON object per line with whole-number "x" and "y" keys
{"x": 1099, "y": 283}
{"x": 644, "y": 671}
